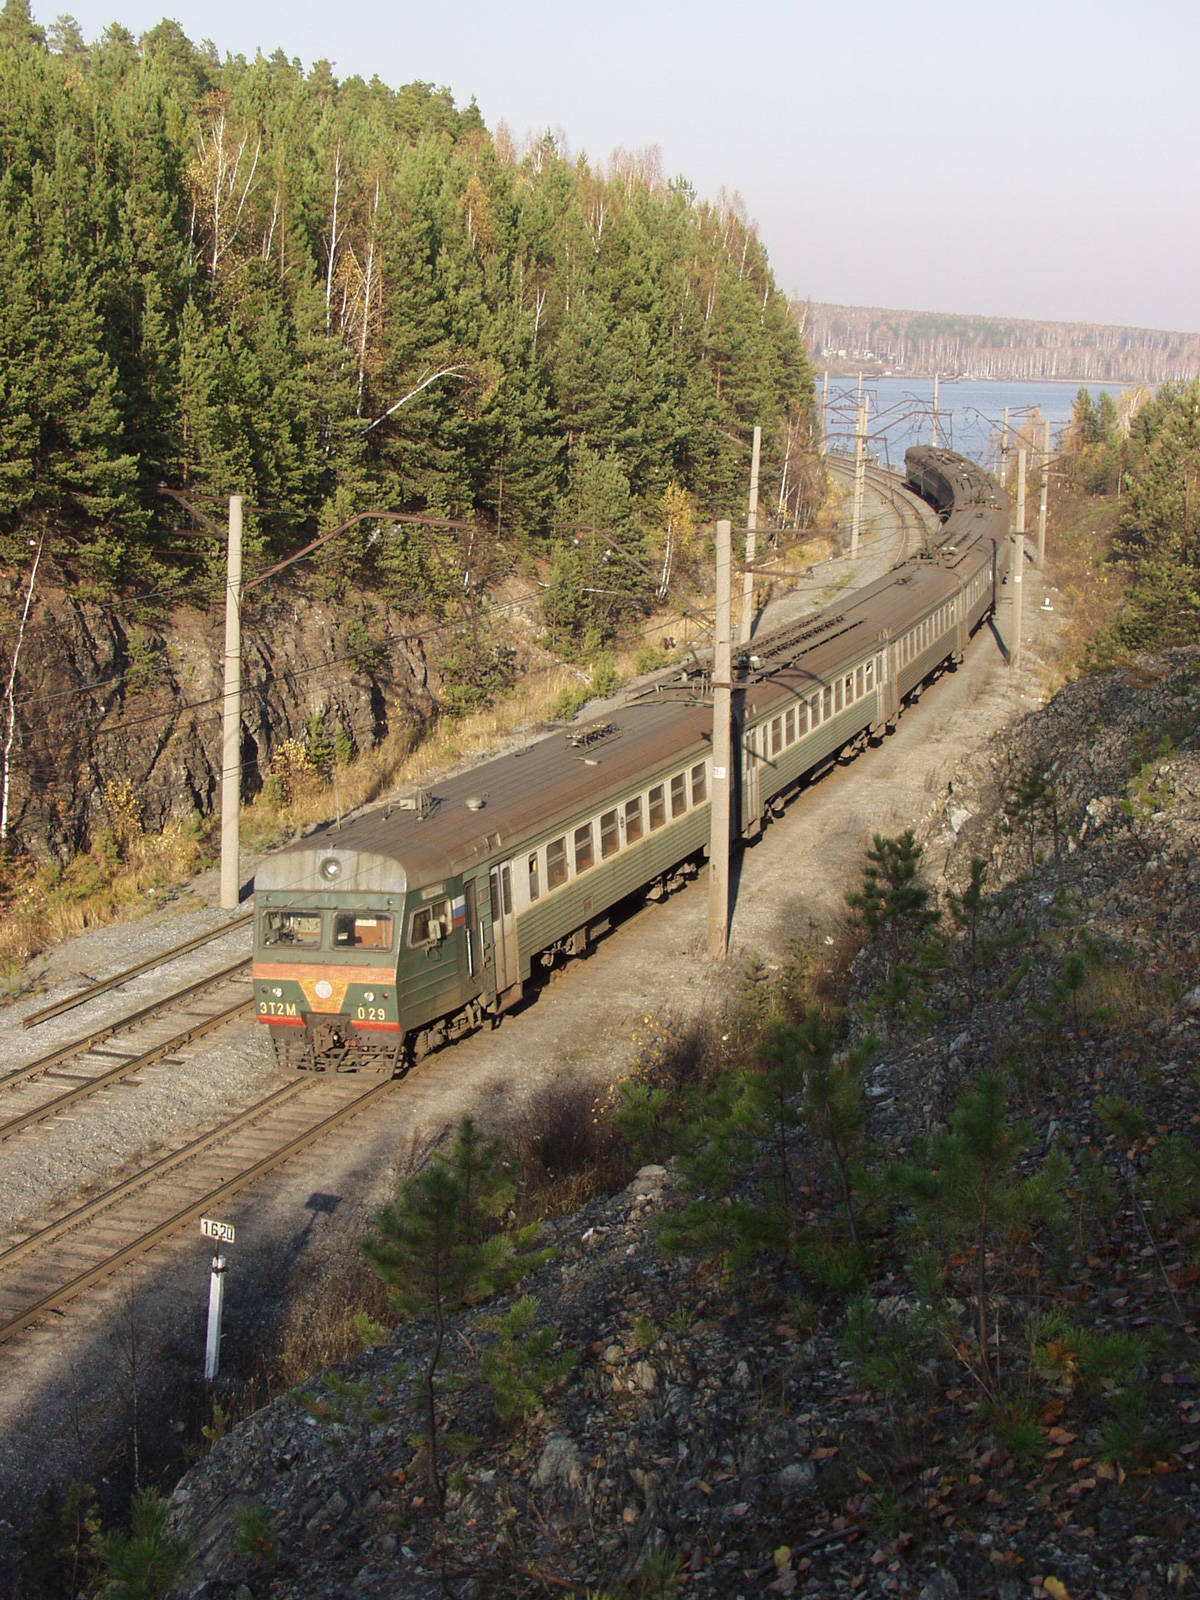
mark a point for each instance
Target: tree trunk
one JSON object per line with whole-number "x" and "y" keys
{"x": 10, "y": 731}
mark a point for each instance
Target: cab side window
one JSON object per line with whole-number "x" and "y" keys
{"x": 430, "y": 924}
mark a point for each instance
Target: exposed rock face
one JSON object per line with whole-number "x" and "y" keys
{"x": 103, "y": 697}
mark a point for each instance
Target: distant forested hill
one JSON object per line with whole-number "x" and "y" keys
{"x": 240, "y": 276}
{"x": 924, "y": 342}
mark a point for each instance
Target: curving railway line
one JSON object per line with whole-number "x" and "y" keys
{"x": 52, "y": 1265}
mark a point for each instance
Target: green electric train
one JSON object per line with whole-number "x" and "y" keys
{"x": 380, "y": 940}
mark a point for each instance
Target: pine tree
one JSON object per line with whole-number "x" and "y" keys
{"x": 967, "y": 1180}
{"x": 891, "y": 899}
{"x": 440, "y": 1246}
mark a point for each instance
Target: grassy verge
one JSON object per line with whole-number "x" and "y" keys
{"x": 1079, "y": 535}
{"x": 121, "y": 877}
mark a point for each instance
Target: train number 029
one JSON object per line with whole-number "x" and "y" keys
{"x": 371, "y": 1014}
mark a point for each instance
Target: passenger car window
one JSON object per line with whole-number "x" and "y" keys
{"x": 610, "y": 835}
{"x": 360, "y": 930}
{"x": 789, "y": 727}
{"x": 430, "y": 924}
{"x": 583, "y": 848}
{"x": 633, "y": 819}
{"x": 291, "y": 927}
{"x": 698, "y": 785}
{"x": 678, "y": 795}
{"x": 556, "y": 863}
{"x": 535, "y": 882}
{"x": 657, "y": 802}
{"x": 776, "y": 736}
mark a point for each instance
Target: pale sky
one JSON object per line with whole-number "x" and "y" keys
{"x": 1035, "y": 160}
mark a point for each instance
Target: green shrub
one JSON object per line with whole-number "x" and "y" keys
{"x": 256, "y": 1534}
{"x": 519, "y": 1369}
{"x": 1173, "y": 1176}
{"x": 1118, "y": 1117}
{"x": 146, "y": 1561}
{"x": 568, "y": 704}
{"x": 606, "y": 679}
{"x": 60, "y": 1550}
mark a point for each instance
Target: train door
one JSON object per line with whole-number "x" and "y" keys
{"x": 755, "y": 751}
{"x": 478, "y": 938}
{"x": 504, "y": 929}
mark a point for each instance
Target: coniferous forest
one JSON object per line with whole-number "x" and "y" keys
{"x": 240, "y": 276}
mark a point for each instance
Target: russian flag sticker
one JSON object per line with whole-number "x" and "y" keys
{"x": 458, "y": 907}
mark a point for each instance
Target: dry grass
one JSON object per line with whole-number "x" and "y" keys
{"x": 322, "y": 1326}
{"x": 1079, "y": 534}
{"x": 112, "y": 882}
{"x": 568, "y": 1148}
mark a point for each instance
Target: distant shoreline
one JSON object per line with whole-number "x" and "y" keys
{"x": 873, "y": 373}
{"x": 877, "y": 342}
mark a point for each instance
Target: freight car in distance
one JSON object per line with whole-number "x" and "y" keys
{"x": 410, "y": 926}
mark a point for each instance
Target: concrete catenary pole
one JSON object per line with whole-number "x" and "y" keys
{"x": 722, "y": 758}
{"x": 1020, "y": 528}
{"x": 1014, "y": 658}
{"x": 751, "y": 541}
{"x": 1045, "y": 496}
{"x": 860, "y": 475}
{"x": 1004, "y": 450}
{"x": 935, "y": 398}
{"x": 825, "y": 412}
{"x": 231, "y": 742}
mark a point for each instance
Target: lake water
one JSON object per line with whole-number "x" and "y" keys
{"x": 970, "y": 413}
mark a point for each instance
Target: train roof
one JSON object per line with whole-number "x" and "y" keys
{"x": 495, "y": 806}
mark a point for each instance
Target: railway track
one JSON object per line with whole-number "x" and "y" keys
{"x": 41, "y": 1273}
{"x": 152, "y": 1032}
{"x": 911, "y": 515}
{"x": 80, "y": 997}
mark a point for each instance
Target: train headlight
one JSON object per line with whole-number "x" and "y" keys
{"x": 277, "y": 992}
{"x": 368, "y": 995}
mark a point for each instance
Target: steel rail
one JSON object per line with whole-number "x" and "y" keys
{"x": 79, "y": 1047}
{"x": 103, "y": 985}
{"x": 196, "y": 1208}
{"x": 123, "y": 1069}
{"x": 157, "y": 1169}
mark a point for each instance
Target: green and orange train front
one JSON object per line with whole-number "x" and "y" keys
{"x": 332, "y": 947}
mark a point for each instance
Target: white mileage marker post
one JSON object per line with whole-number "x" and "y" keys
{"x": 220, "y": 1233}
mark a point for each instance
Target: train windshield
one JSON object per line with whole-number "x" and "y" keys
{"x": 362, "y": 930}
{"x": 291, "y": 927}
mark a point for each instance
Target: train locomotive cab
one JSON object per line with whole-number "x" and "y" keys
{"x": 328, "y": 937}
